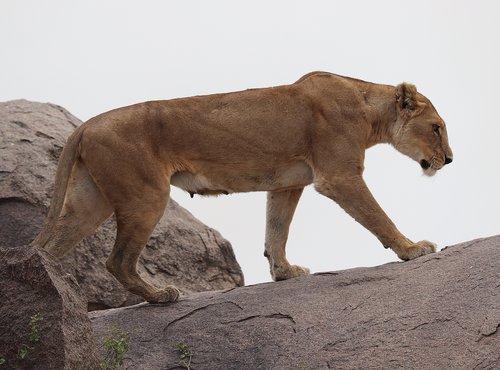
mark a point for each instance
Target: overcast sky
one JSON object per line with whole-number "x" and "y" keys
{"x": 91, "y": 56}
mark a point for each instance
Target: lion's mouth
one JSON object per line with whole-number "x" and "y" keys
{"x": 425, "y": 164}
{"x": 430, "y": 167}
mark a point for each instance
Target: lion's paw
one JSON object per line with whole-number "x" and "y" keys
{"x": 290, "y": 272}
{"x": 166, "y": 295}
{"x": 419, "y": 249}
{"x": 296, "y": 270}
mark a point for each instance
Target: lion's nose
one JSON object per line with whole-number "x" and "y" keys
{"x": 448, "y": 160}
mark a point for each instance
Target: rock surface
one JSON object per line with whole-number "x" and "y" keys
{"x": 440, "y": 311}
{"x": 32, "y": 283}
{"x": 182, "y": 250}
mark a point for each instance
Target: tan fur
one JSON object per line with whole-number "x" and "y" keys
{"x": 277, "y": 140}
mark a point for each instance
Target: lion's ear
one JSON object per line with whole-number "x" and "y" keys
{"x": 406, "y": 96}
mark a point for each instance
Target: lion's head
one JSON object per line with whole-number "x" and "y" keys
{"x": 420, "y": 132}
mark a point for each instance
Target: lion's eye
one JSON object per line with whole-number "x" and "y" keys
{"x": 436, "y": 128}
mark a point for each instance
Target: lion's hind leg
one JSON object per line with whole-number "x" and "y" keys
{"x": 84, "y": 209}
{"x": 280, "y": 209}
{"x": 136, "y": 221}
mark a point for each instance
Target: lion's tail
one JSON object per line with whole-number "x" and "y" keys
{"x": 67, "y": 159}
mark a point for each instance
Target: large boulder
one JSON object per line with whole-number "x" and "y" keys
{"x": 440, "y": 311}
{"x": 182, "y": 250}
{"x": 43, "y": 316}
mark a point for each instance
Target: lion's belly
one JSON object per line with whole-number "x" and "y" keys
{"x": 225, "y": 181}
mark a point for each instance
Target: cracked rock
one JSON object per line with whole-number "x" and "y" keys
{"x": 33, "y": 284}
{"x": 440, "y": 311}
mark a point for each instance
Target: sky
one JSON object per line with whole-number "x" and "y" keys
{"x": 92, "y": 56}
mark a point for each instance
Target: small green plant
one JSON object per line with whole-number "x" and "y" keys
{"x": 35, "y": 328}
{"x": 185, "y": 354}
{"x": 23, "y": 351}
{"x": 33, "y": 338}
{"x": 116, "y": 346}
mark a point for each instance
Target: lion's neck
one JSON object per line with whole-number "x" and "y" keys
{"x": 382, "y": 102}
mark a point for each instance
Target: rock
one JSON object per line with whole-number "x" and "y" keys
{"x": 182, "y": 251}
{"x": 440, "y": 311}
{"x": 32, "y": 283}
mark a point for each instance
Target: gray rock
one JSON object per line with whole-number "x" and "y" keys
{"x": 440, "y": 311}
{"x": 182, "y": 251}
{"x": 32, "y": 283}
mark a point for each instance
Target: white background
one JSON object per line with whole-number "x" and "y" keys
{"x": 94, "y": 55}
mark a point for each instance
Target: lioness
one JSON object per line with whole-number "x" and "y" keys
{"x": 277, "y": 139}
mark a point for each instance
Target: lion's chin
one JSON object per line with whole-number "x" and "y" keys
{"x": 429, "y": 172}
{"x": 427, "y": 168}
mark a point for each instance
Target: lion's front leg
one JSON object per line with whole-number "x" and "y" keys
{"x": 352, "y": 194}
{"x": 280, "y": 209}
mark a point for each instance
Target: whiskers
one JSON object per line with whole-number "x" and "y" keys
{"x": 435, "y": 164}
